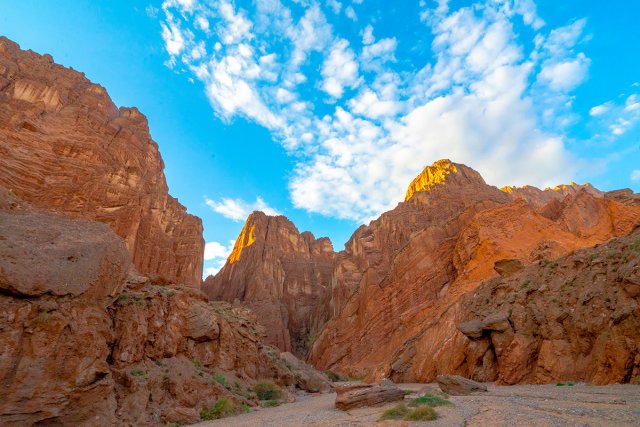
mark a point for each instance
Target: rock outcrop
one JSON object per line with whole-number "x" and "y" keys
{"x": 399, "y": 290}
{"x": 280, "y": 274}
{"x": 396, "y": 283}
{"x": 358, "y": 395}
{"x": 86, "y": 341}
{"x": 66, "y": 147}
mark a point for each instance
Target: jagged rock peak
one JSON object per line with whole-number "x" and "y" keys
{"x": 276, "y": 230}
{"x": 443, "y": 172}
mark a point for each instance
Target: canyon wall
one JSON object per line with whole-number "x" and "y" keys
{"x": 282, "y": 275}
{"x": 405, "y": 282}
{"x": 86, "y": 341}
{"x": 66, "y": 147}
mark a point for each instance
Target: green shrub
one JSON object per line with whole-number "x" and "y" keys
{"x": 636, "y": 244}
{"x": 139, "y": 373}
{"x": 398, "y": 412}
{"x": 222, "y": 408}
{"x": 270, "y": 403}
{"x": 266, "y": 390}
{"x": 422, "y": 413}
{"x": 123, "y": 297}
{"x": 429, "y": 400}
{"x": 220, "y": 379}
{"x": 525, "y": 284}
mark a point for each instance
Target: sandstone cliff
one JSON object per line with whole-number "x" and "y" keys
{"x": 398, "y": 278}
{"x": 65, "y": 146}
{"x": 87, "y": 342}
{"x": 404, "y": 282}
{"x": 280, "y": 274}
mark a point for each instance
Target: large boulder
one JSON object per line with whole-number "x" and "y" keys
{"x": 459, "y": 386}
{"x": 359, "y": 395}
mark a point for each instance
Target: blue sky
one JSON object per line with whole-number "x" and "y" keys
{"x": 325, "y": 110}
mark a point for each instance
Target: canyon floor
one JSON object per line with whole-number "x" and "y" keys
{"x": 520, "y": 405}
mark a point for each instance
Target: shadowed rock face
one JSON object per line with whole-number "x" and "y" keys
{"x": 282, "y": 275}
{"x": 66, "y": 147}
{"x": 401, "y": 286}
{"x": 87, "y": 342}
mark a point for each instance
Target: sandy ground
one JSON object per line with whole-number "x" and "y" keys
{"x": 522, "y": 405}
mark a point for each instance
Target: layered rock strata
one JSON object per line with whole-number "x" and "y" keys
{"x": 394, "y": 288}
{"x": 282, "y": 275}
{"x": 65, "y": 146}
{"x": 86, "y": 341}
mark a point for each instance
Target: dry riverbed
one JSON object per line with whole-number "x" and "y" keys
{"x": 521, "y": 405}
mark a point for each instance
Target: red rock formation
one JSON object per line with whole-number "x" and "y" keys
{"x": 86, "y": 342}
{"x": 396, "y": 281}
{"x": 282, "y": 275}
{"x": 65, "y": 146}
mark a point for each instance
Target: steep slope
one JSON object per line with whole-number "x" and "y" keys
{"x": 399, "y": 275}
{"x": 280, "y": 274}
{"x": 65, "y": 146}
{"x": 86, "y": 342}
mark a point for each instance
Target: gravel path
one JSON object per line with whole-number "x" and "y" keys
{"x": 522, "y": 405}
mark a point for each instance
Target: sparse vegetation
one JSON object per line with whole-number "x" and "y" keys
{"x": 270, "y": 403}
{"x": 635, "y": 245}
{"x": 266, "y": 390}
{"x": 430, "y": 400}
{"x": 222, "y": 408}
{"x": 594, "y": 256}
{"x": 198, "y": 364}
{"x": 139, "y": 373}
{"x": 422, "y": 413}
{"x": 123, "y": 297}
{"x": 138, "y": 301}
{"x": 570, "y": 384}
{"x": 398, "y": 412}
{"x": 525, "y": 284}
{"x": 220, "y": 379}
{"x": 43, "y": 316}
{"x": 402, "y": 412}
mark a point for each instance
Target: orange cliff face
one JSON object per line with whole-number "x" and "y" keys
{"x": 404, "y": 282}
{"x": 282, "y": 275}
{"x": 67, "y": 147}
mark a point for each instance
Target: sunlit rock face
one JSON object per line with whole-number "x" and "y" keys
{"x": 65, "y": 146}
{"x": 404, "y": 284}
{"x": 283, "y": 275}
{"x": 406, "y": 280}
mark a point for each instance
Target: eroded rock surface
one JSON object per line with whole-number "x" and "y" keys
{"x": 399, "y": 291}
{"x": 282, "y": 275}
{"x": 359, "y": 395}
{"x": 66, "y": 147}
{"x": 86, "y": 341}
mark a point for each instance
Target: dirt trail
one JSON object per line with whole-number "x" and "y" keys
{"x": 521, "y": 405}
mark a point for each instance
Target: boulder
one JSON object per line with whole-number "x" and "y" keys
{"x": 359, "y": 395}
{"x": 459, "y": 386}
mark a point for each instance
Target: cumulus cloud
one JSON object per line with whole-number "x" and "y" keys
{"x": 215, "y": 256}
{"x": 491, "y": 96}
{"x": 618, "y": 116}
{"x": 238, "y": 209}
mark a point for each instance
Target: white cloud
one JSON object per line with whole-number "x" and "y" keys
{"x": 488, "y": 97}
{"x": 238, "y": 209}
{"x": 339, "y": 69}
{"x": 635, "y": 175}
{"x": 351, "y": 13}
{"x": 599, "y": 110}
{"x": 618, "y": 117}
{"x": 567, "y": 75}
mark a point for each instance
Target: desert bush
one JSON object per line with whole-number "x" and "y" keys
{"x": 398, "y": 412}
{"x": 222, "y": 408}
{"x": 266, "y": 390}
{"x": 422, "y": 413}
{"x": 430, "y": 400}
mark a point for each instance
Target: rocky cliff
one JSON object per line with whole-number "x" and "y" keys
{"x": 406, "y": 281}
{"x": 282, "y": 275}
{"x": 85, "y": 341}
{"x": 66, "y": 147}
